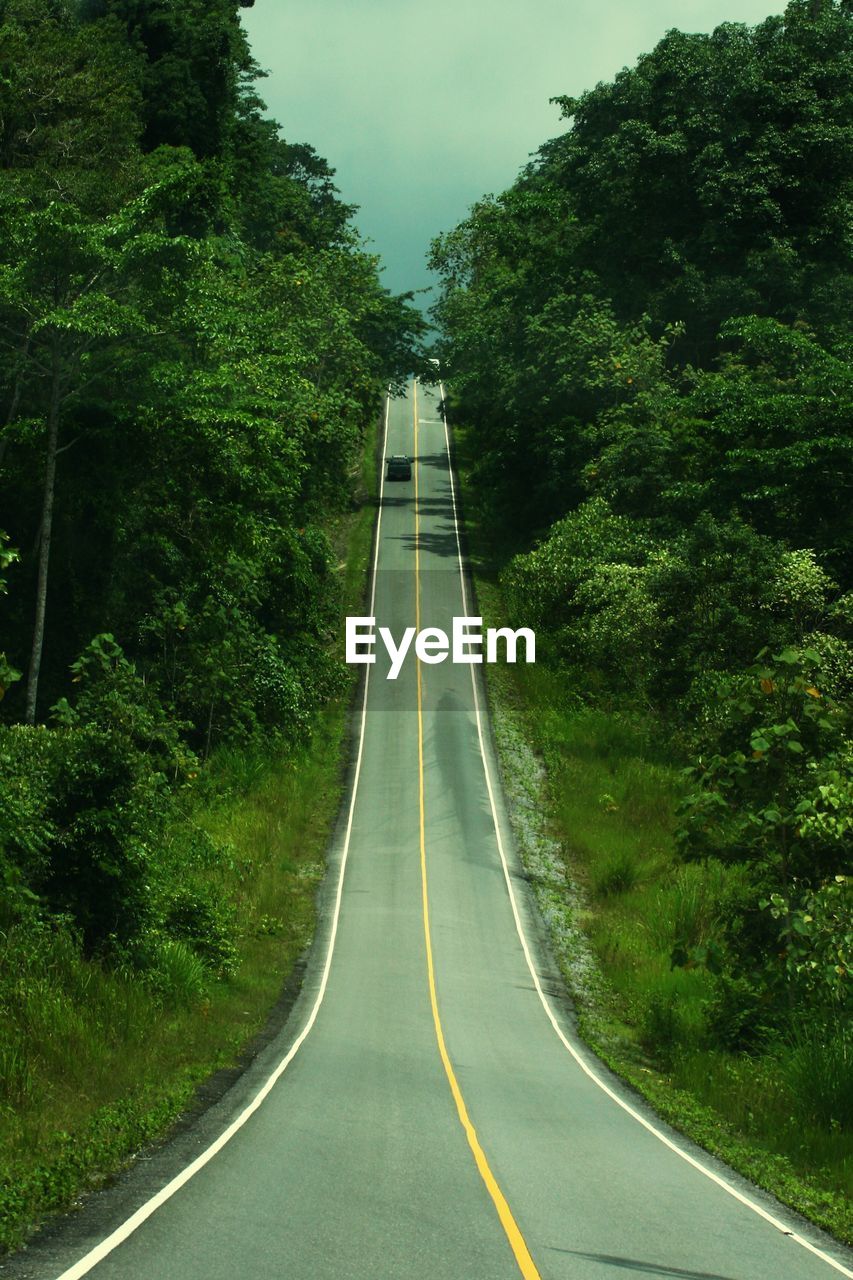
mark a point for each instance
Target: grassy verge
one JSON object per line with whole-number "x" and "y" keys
{"x": 94, "y": 1064}
{"x": 592, "y": 795}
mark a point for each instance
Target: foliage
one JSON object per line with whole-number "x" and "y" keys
{"x": 81, "y": 818}
{"x": 658, "y": 310}
{"x": 760, "y": 805}
{"x": 195, "y": 340}
{"x": 817, "y": 939}
{"x": 708, "y": 181}
{"x": 8, "y": 674}
{"x": 647, "y": 342}
{"x": 195, "y": 346}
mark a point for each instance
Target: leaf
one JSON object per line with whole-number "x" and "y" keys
{"x": 789, "y": 657}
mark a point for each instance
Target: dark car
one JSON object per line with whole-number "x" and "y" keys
{"x": 398, "y": 467}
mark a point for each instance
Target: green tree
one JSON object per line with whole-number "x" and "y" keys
{"x": 69, "y": 104}
{"x": 81, "y": 291}
{"x": 191, "y": 57}
{"x": 712, "y": 178}
{"x": 692, "y": 214}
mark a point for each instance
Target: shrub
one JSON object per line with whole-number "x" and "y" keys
{"x": 82, "y": 809}
{"x": 740, "y": 1014}
{"x": 205, "y": 923}
{"x": 28, "y": 764}
{"x": 754, "y": 789}
{"x": 816, "y": 937}
{"x": 108, "y": 814}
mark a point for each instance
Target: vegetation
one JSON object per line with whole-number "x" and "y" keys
{"x": 195, "y": 346}
{"x": 647, "y": 341}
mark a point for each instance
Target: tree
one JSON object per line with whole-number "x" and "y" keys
{"x": 191, "y": 59}
{"x": 79, "y": 291}
{"x": 657, "y": 311}
{"x": 710, "y": 179}
{"x": 69, "y": 103}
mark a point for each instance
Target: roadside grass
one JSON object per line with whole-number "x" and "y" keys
{"x": 610, "y": 784}
{"x": 94, "y": 1063}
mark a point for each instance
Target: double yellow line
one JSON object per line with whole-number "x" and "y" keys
{"x": 526, "y": 1265}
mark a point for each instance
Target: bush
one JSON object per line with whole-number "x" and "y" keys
{"x": 108, "y": 813}
{"x": 28, "y": 764}
{"x": 754, "y": 791}
{"x": 205, "y": 923}
{"x": 585, "y": 589}
{"x": 80, "y": 817}
{"x": 816, "y": 938}
{"x": 740, "y": 1014}
{"x": 83, "y": 805}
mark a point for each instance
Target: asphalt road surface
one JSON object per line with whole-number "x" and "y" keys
{"x": 427, "y": 1114}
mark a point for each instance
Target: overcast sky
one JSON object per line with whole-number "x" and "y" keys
{"x": 424, "y": 107}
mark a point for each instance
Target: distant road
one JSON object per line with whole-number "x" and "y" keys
{"x": 438, "y": 1121}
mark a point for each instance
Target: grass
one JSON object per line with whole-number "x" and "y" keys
{"x": 97, "y": 1063}
{"x": 94, "y": 1064}
{"x": 607, "y": 785}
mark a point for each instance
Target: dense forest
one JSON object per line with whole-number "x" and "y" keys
{"x": 193, "y": 345}
{"x": 194, "y": 348}
{"x": 648, "y": 347}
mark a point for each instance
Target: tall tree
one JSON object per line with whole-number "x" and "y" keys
{"x": 79, "y": 290}
{"x": 193, "y": 55}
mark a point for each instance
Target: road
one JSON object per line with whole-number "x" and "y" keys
{"x": 427, "y": 1113}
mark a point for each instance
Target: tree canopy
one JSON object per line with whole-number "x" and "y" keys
{"x": 647, "y": 339}
{"x": 195, "y": 343}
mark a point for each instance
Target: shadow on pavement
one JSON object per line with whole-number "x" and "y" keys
{"x": 640, "y": 1268}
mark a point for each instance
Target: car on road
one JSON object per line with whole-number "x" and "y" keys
{"x": 398, "y": 467}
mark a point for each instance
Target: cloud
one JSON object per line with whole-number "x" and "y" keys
{"x": 421, "y": 108}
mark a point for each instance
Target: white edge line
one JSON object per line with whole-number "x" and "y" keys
{"x": 593, "y": 1075}
{"x": 131, "y": 1224}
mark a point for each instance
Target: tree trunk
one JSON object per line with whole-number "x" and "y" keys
{"x": 44, "y": 541}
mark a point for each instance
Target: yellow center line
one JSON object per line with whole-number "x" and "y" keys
{"x": 526, "y": 1265}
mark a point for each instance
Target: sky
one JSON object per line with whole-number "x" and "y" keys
{"x": 423, "y": 108}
